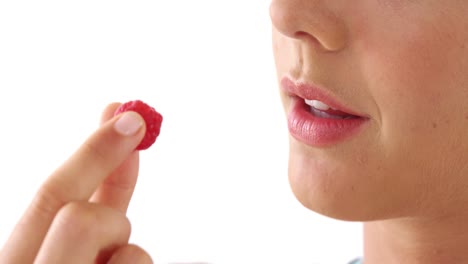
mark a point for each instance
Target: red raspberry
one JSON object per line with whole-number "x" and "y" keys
{"x": 152, "y": 118}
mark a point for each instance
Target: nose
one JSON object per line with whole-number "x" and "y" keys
{"x": 309, "y": 20}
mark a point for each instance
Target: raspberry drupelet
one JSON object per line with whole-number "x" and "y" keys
{"x": 153, "y": 121}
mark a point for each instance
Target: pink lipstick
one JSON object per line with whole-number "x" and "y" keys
{"x": 316, "y": 118}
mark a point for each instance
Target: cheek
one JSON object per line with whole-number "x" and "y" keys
{"x": 420, "y": 87}
{"x": 417, "y": 75}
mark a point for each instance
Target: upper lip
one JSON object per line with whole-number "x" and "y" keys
{"x": 312, "y": 92}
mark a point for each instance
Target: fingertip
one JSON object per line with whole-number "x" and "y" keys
{"x": 129, "y": 123}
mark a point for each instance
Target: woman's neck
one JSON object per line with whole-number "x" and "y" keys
{"x": 416, "y": 241}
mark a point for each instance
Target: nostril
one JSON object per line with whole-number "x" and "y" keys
{"x": 307, "y": 37}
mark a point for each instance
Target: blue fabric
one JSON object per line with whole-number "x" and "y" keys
{"x": 356, "y": 261}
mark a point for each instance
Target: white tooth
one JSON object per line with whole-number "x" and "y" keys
{"x": 317, "y": 105}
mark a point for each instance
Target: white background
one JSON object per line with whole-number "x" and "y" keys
{"x": 214, "y": 187}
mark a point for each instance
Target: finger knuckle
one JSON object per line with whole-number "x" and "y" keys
{"x": 146, "y": 257}
{"x": 132, "y": 251}
{"x": 79, "y": 221}
{"x": 124, "y": 225}
{"x": 143, "y": 256}
{"x": 93, "y": 150}
{"x": 49, "y": 199}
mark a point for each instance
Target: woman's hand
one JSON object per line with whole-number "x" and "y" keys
{"x": 78, "y": 214}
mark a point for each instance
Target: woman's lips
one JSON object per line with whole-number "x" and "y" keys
{"x": 317, "y": 119}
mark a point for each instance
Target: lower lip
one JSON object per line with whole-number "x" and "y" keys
{"x": 317, "y": 131}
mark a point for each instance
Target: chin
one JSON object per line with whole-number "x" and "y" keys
{"x": 336, "y": 189}
{"x": 325, "y": 202}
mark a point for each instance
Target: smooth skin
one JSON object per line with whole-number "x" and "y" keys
{"x": 78, "y": 214}
{"x": 404, "y": 65}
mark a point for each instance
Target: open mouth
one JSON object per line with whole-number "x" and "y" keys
{"x": 322, "y": 110}
{"x": 317, "y": 118}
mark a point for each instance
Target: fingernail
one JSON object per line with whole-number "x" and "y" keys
{"x": 128, "y": 124}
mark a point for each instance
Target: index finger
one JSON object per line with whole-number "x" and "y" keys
{"x": 117, "y": 189}
{"x": 75, "y": 180}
